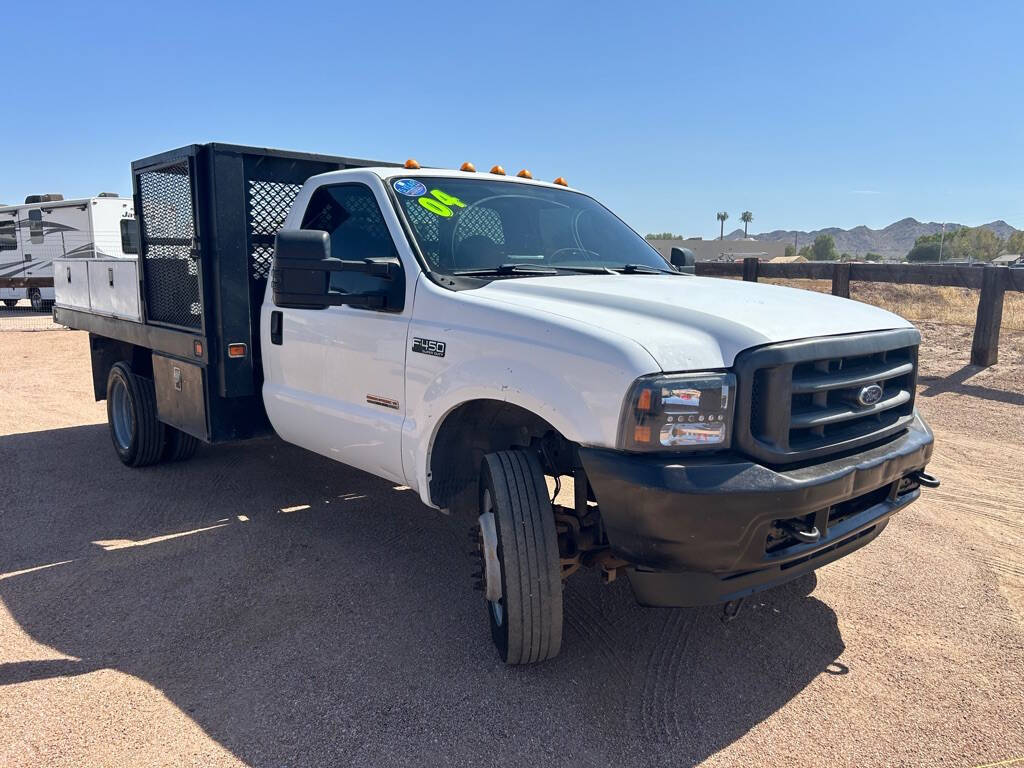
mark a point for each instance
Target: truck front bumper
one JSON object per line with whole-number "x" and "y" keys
{"x": 704, "y": 530}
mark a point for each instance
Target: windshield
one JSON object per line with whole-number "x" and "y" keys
{"x": 476, "y": 225}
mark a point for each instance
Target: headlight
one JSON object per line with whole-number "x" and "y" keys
{"x": 686, "y": 411}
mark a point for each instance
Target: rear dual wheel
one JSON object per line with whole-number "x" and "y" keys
{"x": 139, "y": 437}
{"x": 137, "y": 434}
{"x": 178, "y": 446}
{"x": 522, "y": 572}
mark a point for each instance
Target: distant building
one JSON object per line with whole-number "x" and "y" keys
{"x": 722, "y": 250}
{"x": 788, "y": 260}
{"x": 1009, "y": 259}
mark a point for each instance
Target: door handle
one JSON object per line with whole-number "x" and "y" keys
{"x": 276, "y": 327}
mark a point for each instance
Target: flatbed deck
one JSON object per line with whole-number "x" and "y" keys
{"x": 207, "y": 217}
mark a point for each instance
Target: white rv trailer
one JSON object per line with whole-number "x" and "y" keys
{"x": 47, "y": 227}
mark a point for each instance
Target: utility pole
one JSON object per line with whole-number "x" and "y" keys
{"x": 942, "y": 239}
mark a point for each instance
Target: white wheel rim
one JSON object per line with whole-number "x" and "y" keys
{"x": 492, "y": 566}
{"x": 121, "y": 414}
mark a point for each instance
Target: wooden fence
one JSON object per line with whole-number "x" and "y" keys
{"x": 991, "y": 280}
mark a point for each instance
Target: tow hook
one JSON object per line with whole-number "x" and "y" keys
{"x": 923, "y": 478}
{"x": 805, "y": 537}
{"x": 731, "y": 610}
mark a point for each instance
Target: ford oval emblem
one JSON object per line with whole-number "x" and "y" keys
{"x": 869, "y": 395}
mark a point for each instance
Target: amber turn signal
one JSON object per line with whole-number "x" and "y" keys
{"x": 468, "y": 167}
{"x": 643, "y": 403}
{"x": 411, "y": 164}
{"x": 236, "y": 350}
{"x": 498, "y": 170}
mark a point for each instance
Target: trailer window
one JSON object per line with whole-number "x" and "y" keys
{"x": 350, "y": 215}
{"x": 8, "y": 235}
{"x": 129, "y": 236}
{"x": 35, "y": 226}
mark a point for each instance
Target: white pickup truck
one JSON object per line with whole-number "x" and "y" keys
{"x": 485, "y": 339}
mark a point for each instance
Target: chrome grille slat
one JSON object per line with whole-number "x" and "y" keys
{"x": 819, "y": 417}
{"x": 856, "y": 378}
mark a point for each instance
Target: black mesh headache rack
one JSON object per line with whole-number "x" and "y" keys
{"x": 207, "y": 216}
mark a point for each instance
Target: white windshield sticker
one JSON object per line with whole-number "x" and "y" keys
{"x": 409, "y": 188}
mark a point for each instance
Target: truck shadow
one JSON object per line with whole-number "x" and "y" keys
{"x": 956, "y": 383}
{"x": 304, "y": 613}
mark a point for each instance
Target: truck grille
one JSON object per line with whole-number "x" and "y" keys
{"x": 815, "y": 397}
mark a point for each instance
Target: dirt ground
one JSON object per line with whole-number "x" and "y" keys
{"x": 23, "y": 318}
{"x": 263, "y": 606}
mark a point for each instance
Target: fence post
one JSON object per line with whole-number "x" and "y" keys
{"x": 750, "y": 268}
{"x": 841, "y": 279}
{"x": 985, "y": 348}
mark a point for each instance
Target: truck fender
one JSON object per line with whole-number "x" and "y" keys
{"x": 536, "y": 390}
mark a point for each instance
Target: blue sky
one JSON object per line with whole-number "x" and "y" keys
{"x": 808, "y": 114}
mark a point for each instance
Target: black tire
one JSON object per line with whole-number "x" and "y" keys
{"x": 10, "y": 303}
{"x": 526, "y": 622}
{"x": 178, "y": 446}
{"x": 137, "y": 434}
{"x": 35, "y": 296}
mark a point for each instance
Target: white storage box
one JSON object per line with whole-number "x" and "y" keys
{"x": 103, "y": 286}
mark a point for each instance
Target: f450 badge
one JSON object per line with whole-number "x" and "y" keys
{"x": 428, "y": 347}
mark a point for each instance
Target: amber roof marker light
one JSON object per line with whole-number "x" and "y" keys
{"x": 412, "y": 165}
{"x": 468, "y": 167}
{"x": 498, "y": 170}
{"x": 524, "y": 174}
{"x": 561, "y": 181}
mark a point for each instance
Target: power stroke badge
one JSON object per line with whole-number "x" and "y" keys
{"x": 428, "y": 347}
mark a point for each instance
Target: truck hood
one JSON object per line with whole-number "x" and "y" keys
{"x": 686, "y": 322}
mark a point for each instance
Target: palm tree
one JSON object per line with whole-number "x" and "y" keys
{"x": 746, "y": 217}
{"x": 722, "y": 216}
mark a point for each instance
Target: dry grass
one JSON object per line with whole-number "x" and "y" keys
{"x": 923, "y": 303}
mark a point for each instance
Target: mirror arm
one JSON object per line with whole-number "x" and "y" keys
{"x": 305, "y": 301}
{"x": 370, "y": 300}
{"x": 369, "y": 266}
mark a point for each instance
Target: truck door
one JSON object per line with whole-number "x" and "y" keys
{"x": 335, "y": 377}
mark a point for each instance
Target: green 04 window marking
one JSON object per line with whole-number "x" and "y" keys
{"x": 439, "y": 201}
{"x": 435, "y": 206}
{"x": 447, "y": 199}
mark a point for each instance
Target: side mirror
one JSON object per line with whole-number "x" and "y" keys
{"x": 683, "y": 259}
{"x": 301, "y": 275}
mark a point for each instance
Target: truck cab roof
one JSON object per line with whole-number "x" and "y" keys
{"x": 386, "y": 172}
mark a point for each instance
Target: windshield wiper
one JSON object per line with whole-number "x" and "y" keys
{"x": 534, "y": 269}
{"x": 643, "y": 269}
{"x": 506, "y": 269}
{"x": 587, "y": 270}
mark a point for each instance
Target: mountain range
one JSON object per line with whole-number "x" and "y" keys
{"x": 893, "y": 241}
